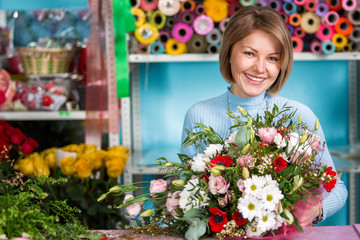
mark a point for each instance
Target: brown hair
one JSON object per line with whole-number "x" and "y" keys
{"x": 242, "y": 24}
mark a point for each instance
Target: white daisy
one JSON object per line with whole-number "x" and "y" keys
{"x": 213, "y": 149}
{"x": 271, "y": 196}
{"x": 253, "y": 231}
{"x": 279, "y": 221}
{"x": 249, "y": 207}
{"x": 198, "y": 164}
{"x": 267, "y": 221}
{"x": 254, "y": 185}
{"x": 192, "y": 196}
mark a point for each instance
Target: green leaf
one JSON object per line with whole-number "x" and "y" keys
{"x": 92, "y": 210}
{"x": 243, "y": 135}
{"x": 195, "y": 213}
{"x": 196, "y": 229}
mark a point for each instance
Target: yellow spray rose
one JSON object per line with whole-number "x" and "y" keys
{"x": 99, "y": 160}
{"x": 49, "y": 155}
{"x": 25, "y": 166}
{"x": 67, "y": 165}
{"x": 114, "y": 168}
{"x": 40, "y": 167}
{"x": 83, "y": 168}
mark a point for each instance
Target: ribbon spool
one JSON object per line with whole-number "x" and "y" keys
{"x": 146, "y": 33}
{"x": 354, "y": 16}
{"x": 325, "y": 32}
{"x": 297, "y": 43}
{"x": 331, "y": 18}
{"x": 355, "y": 34}
{"x": 334, "y": 5}
{"x": 299, "y": 32}
{"x": 355, "y": 46}
{"x": 158, "y": 19}
{"x": 217, "y": 10}
{"x": 197, "y": 44}
{"x": 214, "y": 36}
{"x": 275, "y": 4}
{"x": 300, "y": 9}
{"x": 260, "y": 3}
{"x": 147, "y": 5}
{"x": 322, "y": 9}
{"x": 187, "y": 5}
{"x": 199, "y": 9}
{"x": 311, "y": 5}
{"x": 170, "y": 22}
{"x": 310, "y": 22}
{"x": 291, "y": 29}
{"x": 169, "y": 7}
{"x": 347, "y": 48}
{"x": 213, "y": 49}
{"x": 182, "y": 32}
{"x": 246, "y": 3}
{"x": 233, "y": 7}
{"x": 142, "y": 48}
{"x": 284, "y": 16}
{"x": 186, "y": 16}
{"x": 343, "y": 26}
{"x": 328, "y": 47}
{"x": 164, "y": 36}
{"x": 300, "y": 2}
{"x": 135, "y": 3}
{"x": 203, "y": 24}
{"x": 174, "y": 47}
{"x": 289, "y": 8}
{"x": 315, "y": 47}
{"x": 295, "y": 19}
{"x": 139, "y": 16}
{"x": 223, "y": 23}
{"x": 349, "y": 5}
{"x": 339, "y": 40}
{"x": 156, "y": 48}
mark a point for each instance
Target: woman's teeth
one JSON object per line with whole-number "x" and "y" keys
{"x": 254, "y": 78}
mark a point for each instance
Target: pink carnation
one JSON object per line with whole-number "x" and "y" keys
{"x": 218, "y": 185}
{"x": 157, "y": 186}
{"x": 315, "y": 142}
{"x": 267, "y": 134}
{"x": 172, "y": 202}
{"x": 133, "y": 209}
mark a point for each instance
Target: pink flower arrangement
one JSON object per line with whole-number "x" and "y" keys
{"x": 267, "y": 134}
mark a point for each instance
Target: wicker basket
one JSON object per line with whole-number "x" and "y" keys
{"x": 45, "y": 61}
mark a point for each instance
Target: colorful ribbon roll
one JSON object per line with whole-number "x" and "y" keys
{"x": 142, "y": 48}
{"x": 355, "y": 46}
{"x": 156, "y": 48}
{"x": 233, "y": 7}
{"x": 331, "y": 18}
{"x": 300, "y": 9}
{"x": 135, "y": 3}
{"x": 223, "y": 23}
{"x": 355, "y": 34}
{"x": 328, "y": 47}
{"x": 295, "y": 19}
{"x": 311, "y": 5}
{"x": 139, "y": 16}
{"x": 203, "y": 24}
{"x": 182, "y": 32}
{"x": 263, "y": 3}
{"x": 291, "y": 29}
{"x": 174, "y": 47}
{"x": 349, "y": 5}
{"x": 322, "y": 9}
{"x": 186, "y": 16}
{"x": 315, "y": 47}
{"x": 170, "y": 22}
{"x": 246, "y": 3}
{"x": 217, "y": 10}
{"x": 146, "y": 33}
{"x": 214, "y": 36}
{"x": 300, "y": 2}
{"x": 299, "y": 32}
{"x": 284, "y": 16}
{"x": 310, "y": 22}
{"x": 297, "y": 43}
{"x": 187, "y": 5}
{"x": 354, "y": 16}
{"x": 158, "y": 19}
{"x": 147, "y": 5}
{"x": 213, "y": 48}
{"x": 164, "y": 36}
{"x": 199, "y": 9}
{"x": 169, "y": 7}
{"x": 343, "y": 26}
{"x": 275, "y": 4}
{"x": 325, "y": 32}
{"x": 339, "y": 40}
{"x": 334, "y": 5}
{"x": 347, "y": 48}
{"x": 197, "y": 44}
{"x": 289, "y": 8}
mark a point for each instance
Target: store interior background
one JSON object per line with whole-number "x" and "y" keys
{"x": 169, "y": 89}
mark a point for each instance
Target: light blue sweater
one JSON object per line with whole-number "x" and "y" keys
{"x": 212, "y": 113}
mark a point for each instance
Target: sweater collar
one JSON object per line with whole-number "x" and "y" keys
{"x": 253, "y": 101}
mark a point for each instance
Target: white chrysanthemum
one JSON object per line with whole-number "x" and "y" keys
{"x": 213, "y": 149}
{"x": 254, "y": 185}
{"x": 192, "y": 196}
{"x": 253, "y": 231}
{"x": 249, "y": 207}
{"x": 279, "y": 140}
{"x": 271, "y": 196}
{"x": 278, "y": 221}
{"x": 293, "y": 142}
{"x": 266, "y": 222}
{"x": 198, "y": 164}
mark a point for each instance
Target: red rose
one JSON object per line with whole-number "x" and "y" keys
{"x": 47, "y": 100}
{"x": 221, "y": 160}
{"x": 238, "y": 218}
{"x": 217, "y": 221}
{"x": 17, "y": 137}
{"x": 329, "y": 185}
{"x": 28, "y": 146}
{"x": 279, "y": 164}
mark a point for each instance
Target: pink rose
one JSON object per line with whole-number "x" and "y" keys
{"x": 267, "y": 134}
{"x": 172, "y": 202}
{"x": 218, "y": 185}
{"x": 133, "y": 209}
{"x": 315, "y": 143}
{"x": 241, "y": 185}
{"x": 157, "y": 186}
{"x": 245, "y": 161}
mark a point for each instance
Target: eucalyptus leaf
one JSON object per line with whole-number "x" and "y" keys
{"x": 196, "y": 229}
{"x": 243, "y": 135}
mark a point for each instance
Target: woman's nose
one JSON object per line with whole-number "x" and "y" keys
{"x": 259, "y": 65}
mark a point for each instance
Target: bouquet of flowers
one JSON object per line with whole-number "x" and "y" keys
{"x": 248, "y": 185}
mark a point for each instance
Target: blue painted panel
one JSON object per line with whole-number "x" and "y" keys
{"x": 41, "y": 4}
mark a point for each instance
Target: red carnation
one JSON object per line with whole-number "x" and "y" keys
{"x": 28, "y": 146}
{"x": 238, "y": 218}
{"x": 221, "y": 160}
{"x": 217, "y": 221}
{"x": 17, "y": 137}
{"x": 279, "y": 164}
{"x": 329, "y": 185}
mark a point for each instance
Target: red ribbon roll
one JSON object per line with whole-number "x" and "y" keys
{"x": 233, "y": 7}
{"x": 311, "y": 5}
{"x": 343, "y": 26}
{"x": 300, "y": 2}
{"x": 297, "y": 43}
{"x": 149, "y": 4}
{"x": 334, "y": 5}
{"x": 299, "y": 32}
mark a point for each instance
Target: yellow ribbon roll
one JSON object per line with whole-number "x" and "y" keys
{"x": 146, "y": 33}
{"x": 339, "y": 40}
{"x": 174, "y": 47}
{"x": 139, "y": 16}
{"x": 217, "y": 10}
{"x": 310, "y": 22}
{"x": 158, "y": 19}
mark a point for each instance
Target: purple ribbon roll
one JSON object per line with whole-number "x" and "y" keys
{"x": 182, "y": 32}
{"x": 291, "y": 29}
{"x": 203, "y": 24}
{"x": 147, "y": 5}
{"x": 275, "y": 4}
{"x": 349, "y": 5}
{"x": 315, "y": 47}
{"x": 233, "y": 7}
{"x": 223, "y": 23}
{"x": 331, "y": 18}
{"x": 164, "y": 36}
{"x": 199, "y": 9}
{"x": 322, "y": 9}
{"x": 185, "y": 16}
{"x": 325, "y": 32}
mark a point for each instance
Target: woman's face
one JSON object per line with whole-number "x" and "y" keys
{"x": 255, "y": 64}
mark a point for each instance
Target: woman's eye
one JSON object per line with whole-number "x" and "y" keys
{"x": 248, "y": 53}
{"x": 273, "y": 59}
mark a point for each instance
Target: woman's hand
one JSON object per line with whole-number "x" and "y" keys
{"x": 306, "y": 212}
